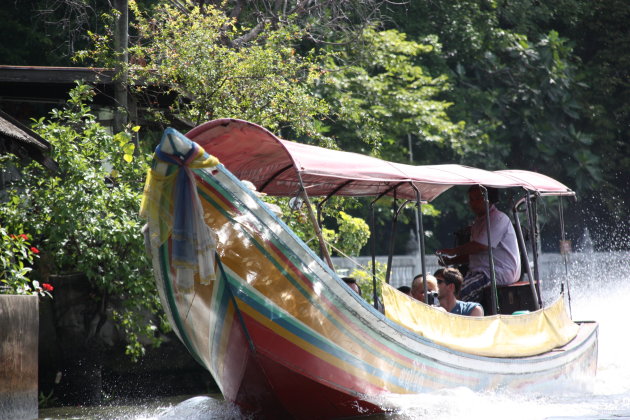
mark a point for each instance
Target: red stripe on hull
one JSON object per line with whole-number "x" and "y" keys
{"x": 306, "y": 399}
{"x": 243, "y": 382}
{"x": 289, "y": 354}
{"x": 267, "y": 389}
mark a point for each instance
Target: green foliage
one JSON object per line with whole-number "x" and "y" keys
{"x": 43, "y": 32}
{"x": 601, "y": 37}
{"x": 85, "y": 217}
{"x": 46, "y": 401}
{"x": 364, "y": 277}
{"x": 519, "y": 82}
{"x": 516, "y": 84}
{"x": 16, "y": 260}
{"x": 381, "y": 93}
{"x": 353, "y": 234}
{"x": 350, "y": 236}
{"x": 183, "y": 52}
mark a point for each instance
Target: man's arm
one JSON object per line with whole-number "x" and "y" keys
{"x": 462, "y": 252}
{"x": 476, "y": 311}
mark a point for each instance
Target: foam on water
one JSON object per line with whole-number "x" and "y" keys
{"x": 198, "y": 408}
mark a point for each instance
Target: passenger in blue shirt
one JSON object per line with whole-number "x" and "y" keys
{"x": 449, "y": 284}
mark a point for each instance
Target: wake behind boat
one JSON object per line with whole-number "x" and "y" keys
{"x": 281, "y": 333}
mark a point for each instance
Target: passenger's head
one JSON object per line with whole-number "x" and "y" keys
{"x": 450, "y": 276}
{"x": 417, "y": 286}
{"x": 352, "y": 282}
{"x": 404, "y": 289}
{"x": 439, "y": 273}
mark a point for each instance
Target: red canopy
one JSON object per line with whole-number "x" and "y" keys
{"x": 275, "y": 167}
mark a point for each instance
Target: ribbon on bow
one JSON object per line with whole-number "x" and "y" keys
{"x": 172, "y": 207}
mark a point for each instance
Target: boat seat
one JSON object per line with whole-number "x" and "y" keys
{"x": 512, "y": 298}
{"x": 517, "y": 284}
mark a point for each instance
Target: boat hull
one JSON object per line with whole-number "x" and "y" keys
{"x": 284, "y": 337}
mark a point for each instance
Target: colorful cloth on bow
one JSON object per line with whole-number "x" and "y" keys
{"x": 172, "y": 207}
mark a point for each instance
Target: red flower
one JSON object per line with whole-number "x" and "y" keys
{"x": 47, "y": 287}
{"x": 34, "y": 250}
{"x": 23, "y": 236}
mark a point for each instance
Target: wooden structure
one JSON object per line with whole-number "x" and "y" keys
{"x": 19, "y": 327}
{"x": 21, "y": 141}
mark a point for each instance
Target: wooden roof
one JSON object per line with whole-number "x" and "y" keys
{"x": 21, "y": 141}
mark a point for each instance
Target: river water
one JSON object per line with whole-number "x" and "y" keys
{"x": 600, "y": 291}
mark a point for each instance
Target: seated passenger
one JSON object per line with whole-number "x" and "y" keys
{"x": 404, "y": 289}
{"x": 352, "y": 282}
{"x": 417, "y": 287}
{"x": 449, "y": 287}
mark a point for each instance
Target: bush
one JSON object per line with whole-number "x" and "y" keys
{"x": 85, "y": 217}
{"x": 16, "y": 260}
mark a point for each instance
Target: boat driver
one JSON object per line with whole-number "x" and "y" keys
{"x": 505, "y": 252}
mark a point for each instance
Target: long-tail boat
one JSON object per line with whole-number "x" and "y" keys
{"x": 281, "y": 333}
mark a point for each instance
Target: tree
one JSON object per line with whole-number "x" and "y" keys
{"x": 183, "y": 55}
{"x": 381, "y": 93}
{"x": 602, "y": 38}
{"x": 319, "y": 19}
{"x": 517, "y": 70}
{"x": 46, "y": 32}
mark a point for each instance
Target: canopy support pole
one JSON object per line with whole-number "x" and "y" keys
{"x": 493, "y": 277}
{"x": 373, "y": 251}
{"x": 390, "y": 254}
{"x": 420, "y": 239}
{"x": 318, "y": 231}
{"x": 522, "y": 246}
{"x": 531, "y": 214}
{"x": 373, "y": 241}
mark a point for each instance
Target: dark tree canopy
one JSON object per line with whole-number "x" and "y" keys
{"x": 540, "y": 85}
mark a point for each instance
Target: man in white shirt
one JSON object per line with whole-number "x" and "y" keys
{"x": 506, "y": 256}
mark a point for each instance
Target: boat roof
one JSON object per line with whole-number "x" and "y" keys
{"x": 276, "y": 166}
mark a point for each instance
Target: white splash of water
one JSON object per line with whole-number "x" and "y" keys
{"x": 199, "y": 408}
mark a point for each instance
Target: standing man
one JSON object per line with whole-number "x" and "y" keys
{"x": 506, "y": 255}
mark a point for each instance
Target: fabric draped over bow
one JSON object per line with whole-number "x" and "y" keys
{"x": 173, "y": 209}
